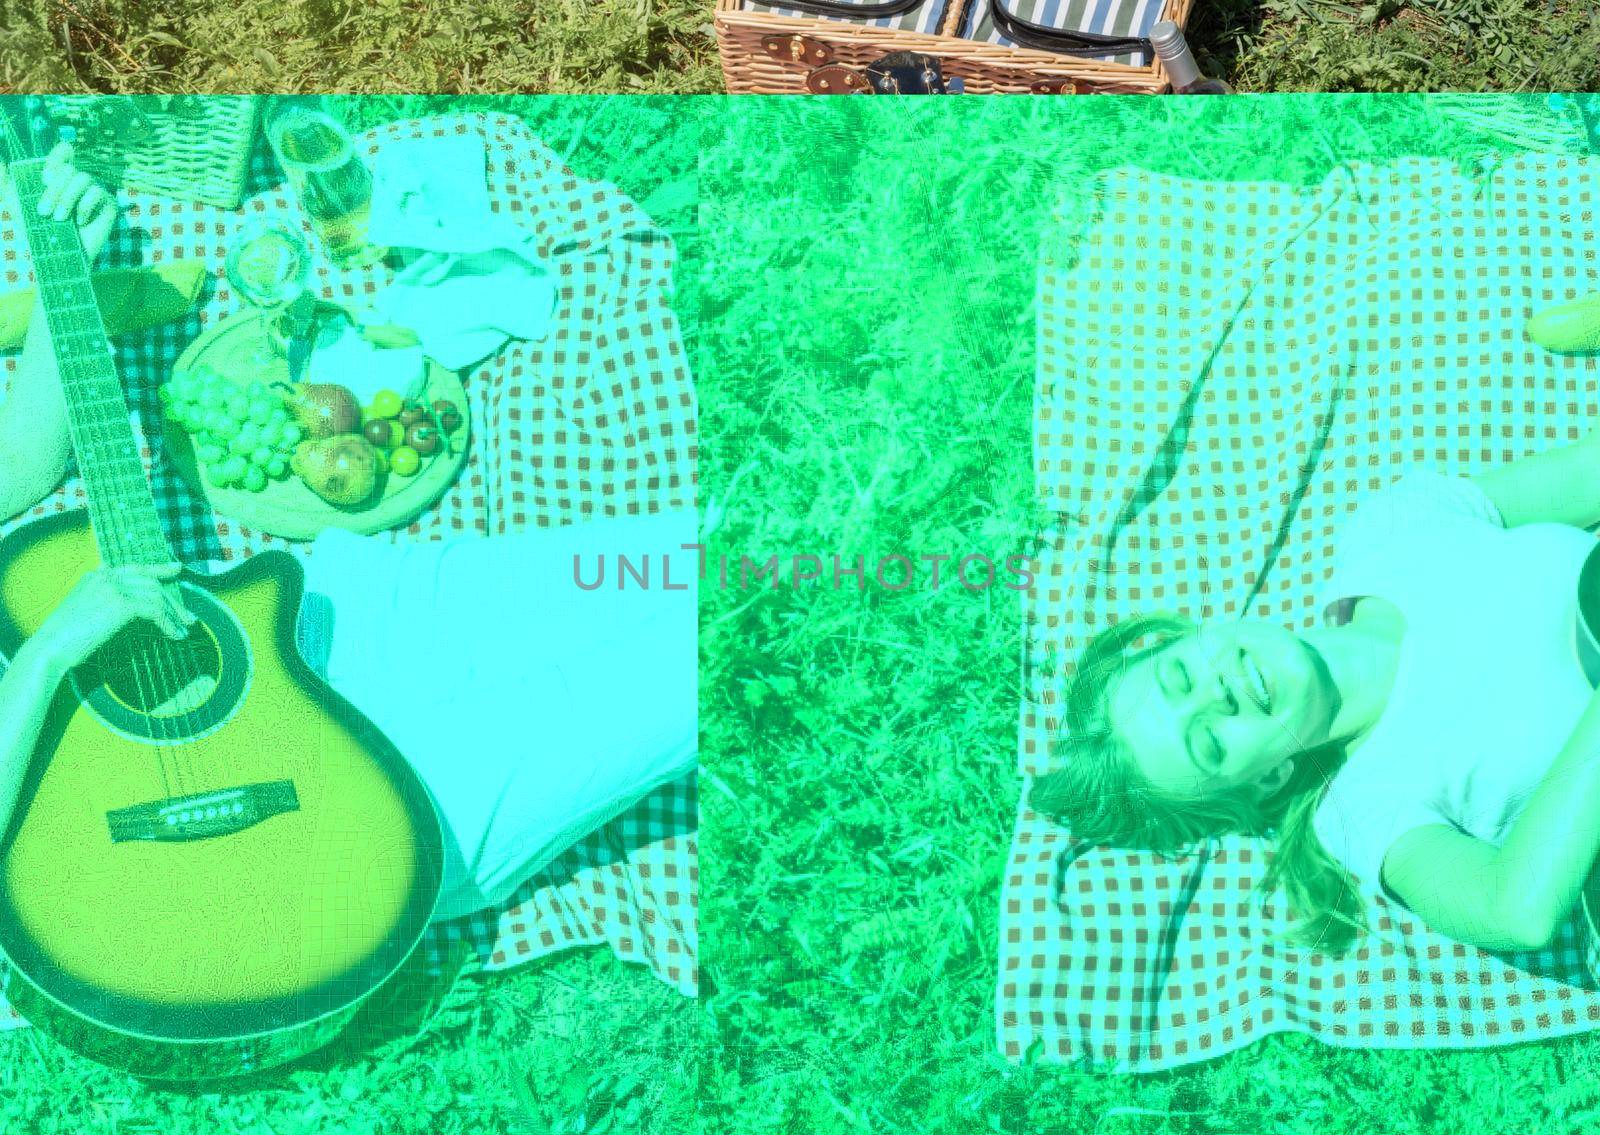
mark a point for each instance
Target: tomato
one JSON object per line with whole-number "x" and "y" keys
{"x": 405, "y": 461}
{"x": 386, "y": 404}
{"x": 449, "y": 416}
{"x": 423, "y": 437}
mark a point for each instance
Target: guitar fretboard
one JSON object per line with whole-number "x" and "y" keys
{"x": 122, "y": 510}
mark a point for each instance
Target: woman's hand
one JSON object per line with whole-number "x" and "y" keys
{"x": 69, "y": 192}
{"x": 103, "y": 602}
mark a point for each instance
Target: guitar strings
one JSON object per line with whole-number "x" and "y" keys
{"x": 151, "y": 697}
{"x": 117, "y": 535}
{"x": 180, "y": 677}
{"x": 177, "y": 662}
{"x": 183, "y": 663}
{"x": 46, "y": 231}
{"x": 147, "y": 683}
{"x": 184, "y": 677}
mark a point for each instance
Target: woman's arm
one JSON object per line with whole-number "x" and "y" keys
{"x": 1561, "y": 485}
{"x": 34, "y": 446}
{"x": 100, "y": 605}
{"x": 26, "y": 690}
{"x": 1516, "y": 896}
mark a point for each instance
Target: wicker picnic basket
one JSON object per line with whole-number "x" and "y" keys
{"x": 764, "y": 52}
{"x": 188, "y": 148}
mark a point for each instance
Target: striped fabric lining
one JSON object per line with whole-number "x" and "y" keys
{"x": 1101, "y": 17}
{"x": 925, "y": 18}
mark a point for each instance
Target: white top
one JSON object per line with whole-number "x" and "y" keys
{"x": 1488, "y": 687}
{"x": 534, "y": 709}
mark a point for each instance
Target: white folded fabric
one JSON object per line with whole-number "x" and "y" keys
{"x": 473, "y": 279}
{"x": 534, "y": 705}
{"x": 364, "y": 368}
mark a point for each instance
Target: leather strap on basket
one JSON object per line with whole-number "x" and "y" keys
{"x": 837, "y": 79}
{"x": 797, "y": 49}
{"x": 841, "y": 8}
{"x": 1028, "y": 34}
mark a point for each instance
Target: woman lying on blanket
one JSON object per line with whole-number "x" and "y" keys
{"x": 572, "y": 705}
{"x": 1434, "y": 741}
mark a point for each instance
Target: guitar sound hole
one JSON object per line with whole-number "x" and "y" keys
{"x": 152, "y": 688}
{"x": 156, "y": 676}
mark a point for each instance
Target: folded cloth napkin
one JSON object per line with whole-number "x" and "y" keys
{"x": 472, "y": 279}
{"x": 131, "y": 299}
{"x": 364, "y": 368}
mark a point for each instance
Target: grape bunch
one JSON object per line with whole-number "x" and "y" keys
{"x": 243, "y": 435}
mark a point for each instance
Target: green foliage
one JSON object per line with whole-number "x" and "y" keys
{"x": 370, "y": 46}
{"x": 667, "y": 46}
{"x": 866, "y": 371}
{"x": 1411, "y": 45}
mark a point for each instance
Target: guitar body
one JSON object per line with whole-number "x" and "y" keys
{"x": 215, "y": 859}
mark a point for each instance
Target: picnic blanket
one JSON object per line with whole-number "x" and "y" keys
{"x": 1222, "y": 370}
{"x": 597, "y": 419}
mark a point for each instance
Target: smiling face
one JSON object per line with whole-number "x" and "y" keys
{"x": 1196, "y": 720}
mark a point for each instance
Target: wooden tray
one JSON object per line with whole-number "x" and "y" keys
{"x": 288, "y": 508}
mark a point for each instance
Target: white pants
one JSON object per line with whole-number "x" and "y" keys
{"x": 534, "y": 710}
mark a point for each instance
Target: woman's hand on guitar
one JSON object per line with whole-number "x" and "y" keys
{"x": 105, "y": 601}
{"x": 69, "y": 192}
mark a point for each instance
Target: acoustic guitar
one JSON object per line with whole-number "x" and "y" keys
{"x": 215, "y": 859}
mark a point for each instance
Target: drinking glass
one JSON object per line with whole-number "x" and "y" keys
{"x": 332, "y": 182}
{"x": 269, "y": 266}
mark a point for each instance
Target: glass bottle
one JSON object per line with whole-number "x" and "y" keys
{"x": 1182, "y": 71}
{"x": 333, "y": 183}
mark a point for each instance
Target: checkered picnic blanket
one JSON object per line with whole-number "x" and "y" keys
{"x": 1223, "y": 369}
{"x": 598, "y": 419}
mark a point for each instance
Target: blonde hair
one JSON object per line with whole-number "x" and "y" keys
{"x": 1100, "y": 794}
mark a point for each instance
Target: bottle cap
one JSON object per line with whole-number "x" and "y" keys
{"x": 1167, "y": 38}
{"x": 1173, "y": 51}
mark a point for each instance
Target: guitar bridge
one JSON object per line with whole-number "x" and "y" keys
{"x": 204, "y": 815}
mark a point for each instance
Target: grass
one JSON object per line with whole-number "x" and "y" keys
{"x": 865, "y": 377}
{"x": 667, "y": 46}
{"x": 366, "y": 46}
{"x": 1401, "y": 45}
{"x": 576, "y": 1043}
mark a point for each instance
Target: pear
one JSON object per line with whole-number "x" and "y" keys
{"x": 342, "y": 470}
{"x": 323, "y": 409}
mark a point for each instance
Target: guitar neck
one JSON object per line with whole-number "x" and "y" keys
{"x": 122, "y": 510}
